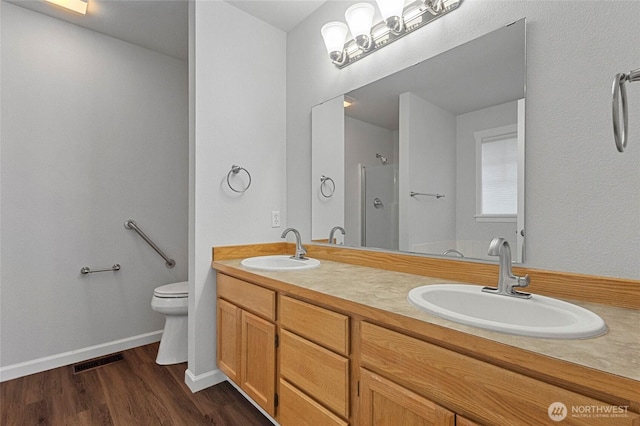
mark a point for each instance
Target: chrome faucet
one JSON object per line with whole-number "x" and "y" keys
{"x": 333, "y": 231}
{"x": 300, "y": 251}
{"x": 507, "y": 282}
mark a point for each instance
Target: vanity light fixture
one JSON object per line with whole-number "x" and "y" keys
{"x": 391, "y": 11}
{"x": 334, "y": 35}
{"x": 359, "y": 18}
{"x": 398, "y": 20}
{"x": 78, "y": 6}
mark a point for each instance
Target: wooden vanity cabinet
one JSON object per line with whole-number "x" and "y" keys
{"x": 385, "y": 403}
{"x": 314, "y": 365}
{"x": 472, "y": 388}
{"x": 246, "y": 338}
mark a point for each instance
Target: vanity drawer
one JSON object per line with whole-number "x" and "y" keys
{"x": 320, "y": 373}
{"x": 319, "y": 325}
{"x": 297, "y": 409}
{"x": 251, "y": 297}
{"x": 473, "y": 388}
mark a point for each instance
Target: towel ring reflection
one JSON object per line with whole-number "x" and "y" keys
{"x": 235, "y": 170}
{"x": 324, "y": 179}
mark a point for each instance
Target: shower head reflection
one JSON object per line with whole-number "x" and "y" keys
{"x": 383, "y": 159}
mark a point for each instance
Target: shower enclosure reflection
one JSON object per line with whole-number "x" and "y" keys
{"x": 379, "y": 197}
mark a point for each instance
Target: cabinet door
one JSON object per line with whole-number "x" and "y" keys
{"x": 228, "y": 339}
{"x": 250, "y": 297}
{"x": 322, "y": 326}
{"x": 319, "y": 372}
{"x": 257, "y": 372}
{"x": 384, "y": 403}
{"x": 297, "y": 409}
{"x": 462, "y": 421}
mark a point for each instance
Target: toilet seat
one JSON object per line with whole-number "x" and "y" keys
{"x": 172, "y": 291}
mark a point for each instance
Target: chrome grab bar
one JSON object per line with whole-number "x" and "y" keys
{"x": 86, "y": 270}
{"x": 131, "y": 224}
{"x": 619, "y": 93}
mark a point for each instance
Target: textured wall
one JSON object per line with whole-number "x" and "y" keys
{"x": 238, "y": 94}
{"x": 583, "y": 198}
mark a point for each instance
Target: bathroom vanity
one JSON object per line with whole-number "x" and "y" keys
{"x": 340, "y": 345}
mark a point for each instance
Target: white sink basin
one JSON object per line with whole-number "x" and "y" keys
{"x": 539, "y": 316}
{"x": 279, "y": 263}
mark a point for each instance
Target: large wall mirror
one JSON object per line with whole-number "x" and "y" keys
{"x": 429, "y": 159}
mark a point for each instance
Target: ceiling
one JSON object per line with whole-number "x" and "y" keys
{"x": 283, "y": 14}
{"x": 162, "y": 25}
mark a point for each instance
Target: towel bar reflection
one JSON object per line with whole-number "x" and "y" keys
{"x": 413, "y": 194}
{"x": 86, "y": 270}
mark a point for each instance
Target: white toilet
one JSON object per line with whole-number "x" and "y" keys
{"x": 172, "y": 300}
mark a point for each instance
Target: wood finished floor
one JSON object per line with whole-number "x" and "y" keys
{"x": 134, "y": 391}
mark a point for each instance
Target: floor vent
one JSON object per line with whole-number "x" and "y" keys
{"x": 98, "y": 362}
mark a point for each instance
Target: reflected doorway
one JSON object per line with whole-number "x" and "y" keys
{"x": 379, "y": 206}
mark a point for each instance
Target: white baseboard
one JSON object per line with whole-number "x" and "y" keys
{"x": 203, "y": 381}
{"x": 255, "y": 404}
{"x": 67, "y": 358}
{"x": 212, "y": 378}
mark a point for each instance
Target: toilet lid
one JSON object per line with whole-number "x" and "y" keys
{"x": 173, "y": 290}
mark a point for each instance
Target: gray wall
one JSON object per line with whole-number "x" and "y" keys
{"x": 583, "y": 202}
{"x": 94, "y": 132}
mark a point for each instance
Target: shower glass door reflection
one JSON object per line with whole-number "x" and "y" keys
{"x": 379, "y": 210}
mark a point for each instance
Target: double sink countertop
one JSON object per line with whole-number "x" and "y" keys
{"x": 616, "y": 352}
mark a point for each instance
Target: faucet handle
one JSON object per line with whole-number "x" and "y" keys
{"x": 523, "y": 281}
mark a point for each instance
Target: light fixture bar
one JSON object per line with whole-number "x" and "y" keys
{"x": 78, "y": 6}
{"x": 416, "y": 15}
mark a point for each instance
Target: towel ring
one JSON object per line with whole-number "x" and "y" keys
{"x": 235, "y": 170}
{"x": 619, "y": 95}
{"x": 324, "y": 180}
